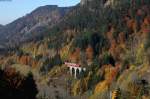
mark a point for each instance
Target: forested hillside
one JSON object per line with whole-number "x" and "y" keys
{"x": 110, "y": 38}
{"x": 32, "y": 26}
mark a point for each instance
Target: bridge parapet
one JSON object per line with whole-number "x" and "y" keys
{"x": 75, "y": 67}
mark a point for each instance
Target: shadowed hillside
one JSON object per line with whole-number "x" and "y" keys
{"x": 13, "y": 85}
{"x": 32, "y": 25}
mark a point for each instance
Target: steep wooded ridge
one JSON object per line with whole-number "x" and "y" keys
{"x": 110, "y": 38}
{"x": 32, "y": 25}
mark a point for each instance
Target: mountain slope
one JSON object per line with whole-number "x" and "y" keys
{"x": 110, "y": 38}
{"x": 33, "y": 24}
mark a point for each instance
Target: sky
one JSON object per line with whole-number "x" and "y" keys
{"x": 13, "y": 9}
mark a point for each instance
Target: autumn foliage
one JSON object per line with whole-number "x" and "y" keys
{"x": 75, "y": 56}
{"x": 25, "y": 59}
